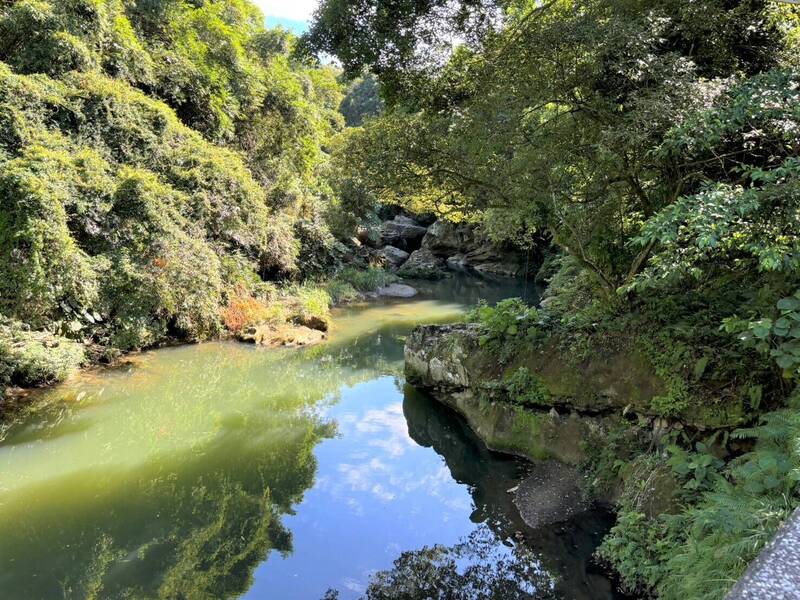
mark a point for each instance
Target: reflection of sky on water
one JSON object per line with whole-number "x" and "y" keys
{"x": 221, "y": 459}
{"x": 377, "y": 493}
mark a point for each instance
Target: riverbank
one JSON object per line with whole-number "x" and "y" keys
{"x": 295, "y": 315}
{"x": 649, "y": 428}
{"x": 268, "y": 461}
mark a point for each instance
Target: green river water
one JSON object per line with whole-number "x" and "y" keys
{"x": 223, "y": 470}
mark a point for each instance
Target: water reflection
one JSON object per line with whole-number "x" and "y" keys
{"x": 220, "y": 470}
{"x": 562, "y": 550}
{"x": 475, "y": 568}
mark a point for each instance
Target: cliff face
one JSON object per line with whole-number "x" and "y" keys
{"x": 582, "y": 401}
{"x": 450, "y": 362}
{"x": 450, "y": 358}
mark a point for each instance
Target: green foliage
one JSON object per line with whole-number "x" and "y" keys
{"x": 638, "y": 548}
{"x": 366, "y": 280}
{"x": 730, "y": 513}
{"x": 745, "y": 217}
{"x": 154, "y": 156}
{"x": 29, "y": 358}
{"x": 779, "y": 338}
{"x": 656, "y": 144}
{"x": 526, "y": 389}
{"x": 504, "y": 326}
{"x": 350, "y": 284}
{"x": 699, "y": 469}
{"x": 609, "y": 452}
{"x": 361, "y": 101}
{"x": 311, "y": 305}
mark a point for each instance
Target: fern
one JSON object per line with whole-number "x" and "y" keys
{"x": 700, "y": 552}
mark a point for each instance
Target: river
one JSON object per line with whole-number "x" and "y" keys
{"x": 223, "y": 470}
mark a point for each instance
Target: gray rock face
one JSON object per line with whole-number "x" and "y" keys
{"x": 446, "y": 239}
{"x": 396, "y": 290}
{"x": 436, "y": 356}
{"x": 393, "y": 257}
{"x": 422, "y": 264}
{"x": 465, "y": 250}
{"x": 402, "y": 232}
{"x": 457, "y": 262}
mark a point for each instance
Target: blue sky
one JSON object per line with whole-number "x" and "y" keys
{"x": 296, "y": 27}
{"x": 291, "y": 14}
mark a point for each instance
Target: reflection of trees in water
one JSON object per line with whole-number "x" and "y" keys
{"x": 203, "y": 507}
{"x": 502, "y": 558}
{"x": 478, "y": 568}
{"x": 469, "y": 289}
{"x": 195, "y": 529}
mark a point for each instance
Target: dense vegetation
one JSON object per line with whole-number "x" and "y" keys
{"x": 656, "y": 144}
{"x": 159, "y": 162}
{"x": 173, "y": 169}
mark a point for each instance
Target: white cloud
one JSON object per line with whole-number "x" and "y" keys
{"x": 297, "y": 10}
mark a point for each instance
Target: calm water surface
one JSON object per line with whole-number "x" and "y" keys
{"x": 223, "y": 470}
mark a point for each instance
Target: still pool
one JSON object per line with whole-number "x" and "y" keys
{"x": 223, "y": 470}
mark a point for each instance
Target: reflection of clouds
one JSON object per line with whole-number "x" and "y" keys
{"x": 380, "y": 466}
{"x": 391, "y": 422}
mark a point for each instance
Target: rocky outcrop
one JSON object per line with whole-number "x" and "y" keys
{"x": 429, "y": 252}
{"x": 463, "y": 248}
{"x": 282, "y": 335}
{"x": 402, "y": 232}
{"x": 422, "y": 264}
{"x": 450, "y": 360}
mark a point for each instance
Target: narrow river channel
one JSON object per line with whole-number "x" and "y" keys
{"x": 224, "y": 470}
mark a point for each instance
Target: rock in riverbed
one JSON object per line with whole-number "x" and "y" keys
{"x": 396, "y": 290}
{"x": 402, "y": 232}
{"x": 282, "y": 335}
{"x": 549, "y": 494}
{"x": 422, "y": 264}
{"x": 393, "y": 257}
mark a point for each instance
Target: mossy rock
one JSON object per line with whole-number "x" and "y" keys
{"x": 535, "y": 435}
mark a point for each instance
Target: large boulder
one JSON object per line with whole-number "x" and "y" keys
{"x": 446, "y": 239}
{"x": 422, "y": 264}
{"x": 402, "y": 232}
{"x": 393, "y": 257}
{"x": 465, "y": 249}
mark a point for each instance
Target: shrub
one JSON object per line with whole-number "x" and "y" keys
{"x": 342, "y": 292}
{"x": 729, "y": 515}
{"x": 366, "y": 280}
{"x": 310, "y": 305}
{"x": 526, "y": 389}
{"x": 243, "y": 311}
{"x": 504, "y": 326}
{"x": 29, "y": 358}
